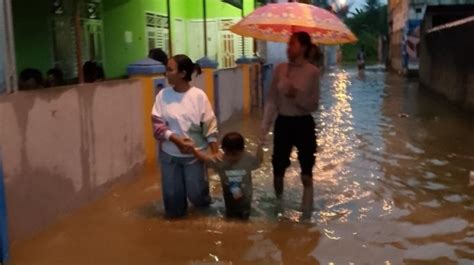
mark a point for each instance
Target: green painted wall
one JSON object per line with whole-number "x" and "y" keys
{"x": 117, "y": 20}
{"x": 34, "y": 41}
{"x": 216, "y": 9}
{"x": 121, "y": 16}
{"x": 33, "y": 36}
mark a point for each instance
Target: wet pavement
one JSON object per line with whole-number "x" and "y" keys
{"x": 391, "y": 187}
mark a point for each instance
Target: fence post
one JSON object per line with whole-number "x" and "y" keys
{"x": 208, "y": 68}
{"x": 150, "y": 72}
{"x": 244, "y": 63}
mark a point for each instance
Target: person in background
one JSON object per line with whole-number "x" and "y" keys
{"x": 54, "y": 77}
{"x": 100, "y": 73}
{"x": 183, "y": 119}
{"x": 235, "y": 168}
{"x": 293, "y": 97}
{"x": 159, "y": 55}
{"x": 93, "y": 72}
{"x": 361, "y": 59}
{"x": 30, "y": 79}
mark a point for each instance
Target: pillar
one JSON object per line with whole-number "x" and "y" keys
{"x": 150, "y": 72}
{"x": 245, "y": 63}
{"x": 208, "y": 67}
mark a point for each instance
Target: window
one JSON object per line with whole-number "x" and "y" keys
{"x": 64, "y": 37}
{"x": 92, "y": 9}
{"x": 64, "y": 46}
{"x": 227, "y": 50}
{"x": 157, "y": 31}
{"x": 92, "y": 42}
{"x": 248, "y": 42}
{"x": 230, "y": 47}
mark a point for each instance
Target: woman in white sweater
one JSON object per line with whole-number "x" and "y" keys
{"x": 183, "y": 119}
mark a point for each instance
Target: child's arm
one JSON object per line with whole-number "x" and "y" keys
{"x": 201, "y": 156}
{"x": 209, "y": 160}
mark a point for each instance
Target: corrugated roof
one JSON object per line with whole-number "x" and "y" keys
{"x": 452, "y": 24}
{"x": 442, "y": 2}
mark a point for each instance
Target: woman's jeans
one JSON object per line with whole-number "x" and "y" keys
{"x": 183, "y": 178}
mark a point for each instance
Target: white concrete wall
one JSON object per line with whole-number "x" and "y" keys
{"x": 198, "y": 81}
{"x": 276, "y": 53}
{"x": 449, "y": 73}
{"x": 62, "y": 147}
{"x": 230, "y": 93}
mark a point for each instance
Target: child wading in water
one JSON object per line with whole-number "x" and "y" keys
{"x": 235, "y": 168}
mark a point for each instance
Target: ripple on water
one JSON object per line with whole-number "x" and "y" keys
{"x": 444, "y": 227}
{"x": 438, "y": 162}
{"x": 432, "y": 204}
{"x": 430, "y": 252}
{"x": 414, "y": 149}
{"x": 453, "y": 198}
{"x": 434, "y": 186}
{"x": 429, "y": 175}
{"x": 362, "y": 220}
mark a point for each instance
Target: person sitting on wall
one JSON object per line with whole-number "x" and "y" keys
{"x": 93, "y": 72}
{"x": 30, "y": 79}
{"x": 101, "y": 73}
{"x": 54, "y": 77}
{"x": 159, "y": 55}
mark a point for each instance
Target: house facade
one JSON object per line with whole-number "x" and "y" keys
{"x": 115, "y": 33}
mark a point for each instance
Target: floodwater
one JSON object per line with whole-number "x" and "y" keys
{"x": 391, "y": 187}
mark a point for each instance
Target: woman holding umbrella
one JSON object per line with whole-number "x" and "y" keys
{"x": 294, "y": 95}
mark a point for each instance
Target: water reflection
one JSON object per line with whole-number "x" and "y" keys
{"x": 388, "y": 178}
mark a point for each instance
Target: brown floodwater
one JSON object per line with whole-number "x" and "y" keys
{"x": 391, "y": 187}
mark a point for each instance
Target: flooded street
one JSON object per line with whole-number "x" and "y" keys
{"x": 391, "y": 187}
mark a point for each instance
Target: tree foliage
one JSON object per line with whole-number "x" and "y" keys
{"x": 368, "y": 23}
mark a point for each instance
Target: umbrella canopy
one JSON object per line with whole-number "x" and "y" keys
{"x": 277, "y": 22}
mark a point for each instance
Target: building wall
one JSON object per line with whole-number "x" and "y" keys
{"x": 229, "y": 93}
{"x": 275, "y": 53}
{"x": 33, "y": 26}
{"x": 446, "y": 64}
{"x": 216, "y": 9}
{"x": 62, "y": 147}
{"x": 33, "y": 36}
{"x": 128, "y": 17}
{"x": 119, "y": 53}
